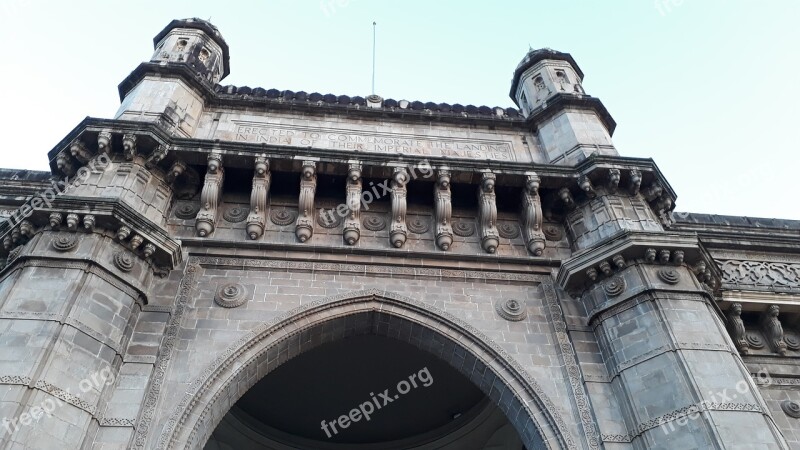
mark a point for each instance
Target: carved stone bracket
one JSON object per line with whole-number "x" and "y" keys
{"x": 352, "y": 223}
{"x": 613, "y": 181}
{"x": 736, "y": 328}
{"x": 257, "y": 218}
{"x": 444, "y": 210}
{"x": 487, "y": 213}
{"x": 304, "y": 227}
{"x": 210, "y": 196}
{"x": 129, "y": 146}
{"x": 79, "y": 152}
{"x": 771, "y": 326}
{"x": 398, "y": 233}
{"x": 532, "y": 216}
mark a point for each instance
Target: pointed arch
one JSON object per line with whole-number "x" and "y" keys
{"x": 260, "y": 351}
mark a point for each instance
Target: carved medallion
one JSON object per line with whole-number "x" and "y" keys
{"x": 64, "y": 242}
{"x": 231, "y": 295}
{"x": 755, "y": 341}
{"x": 186, "y": 210}
{"x": 235, "y": 214}
{"x": 124, "y": 261}
{"x": 792, "y": 341}
{"x": 464, "y": 228}
{"x": 552, "y": 232}
{"x": 418, "y": 225}
{"x": 328, "y": 218}
{"x": 508, "y": 230}
{"x": 792, "y": 409}
{"x": 669, "y": 275}
{"x": 374, "y": 223}
{"x": 511, "y": 309}
{"x": 282, "y": 217}
{"x": 614, "y": 286}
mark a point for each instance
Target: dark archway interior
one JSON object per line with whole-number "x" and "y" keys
{"x": 413, "y": 399}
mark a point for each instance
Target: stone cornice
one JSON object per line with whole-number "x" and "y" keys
{"x": 562, "y": 101}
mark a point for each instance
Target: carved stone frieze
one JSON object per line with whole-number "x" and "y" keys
{"x": 487, "y": 213}
{"x": 304, "y": 227}
{"x": 760, "y": 273}
{"x": 209, "y": 198}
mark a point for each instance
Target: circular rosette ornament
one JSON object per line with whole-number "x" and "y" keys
{"x": 755, "y": 341}
{"x": 236, "y": 214}
{"x": 374, "y": 223}
{"x": 792, "y": 409}
{"x": 614, "y": 286}
{"x": 552, "y": 232}
{"x": 418, "y": 225}
{"x": 329, "y": 218}
{"x": 508, "y": 230}
{"x": 669, "y": 275}
{"x": 64, "y": 243}
{"x": 124, "y": 261}
{"x": 464, "y": 228}
{"x": 511, "y": 309}
{"x": 186, "y": 210}
{"x": 231, "y": 295}
{"x": 282, "y": 217}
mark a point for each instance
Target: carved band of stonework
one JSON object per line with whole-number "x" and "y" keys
{"x": 129, "y": 146}
{"x": 487, "y": 213}
{"x": 761, "y": 273}
{"x": 398, "y": 232}
{"x": 351, "y": 232}
{"x": 304, "y": 228}
{"x": 532, "y": 216}
{"x": 209, "y": 198}
{"x": 444, "y": 210}
{"x": 771, "y": 326}
{"x": 257, "y": 219}
{"x": 736, "y": 328}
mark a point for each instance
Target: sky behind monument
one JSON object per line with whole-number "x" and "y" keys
{"x": 704, "y": 87}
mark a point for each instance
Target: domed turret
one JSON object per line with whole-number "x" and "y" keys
{"x": 571, "y": 126}
{"x": 196, "y": 43}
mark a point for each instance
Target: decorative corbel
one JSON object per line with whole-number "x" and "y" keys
{"x": 159, "y": 153}
{"x": 80, "y": 152}
{"x": 444, "y": 210}
{"x": 566, "y": 197}
{"x": 487, "y": 213}
{"x": 653, "y": 191}
{"x": 352, "y": 223}
{"x": 104, "y": 142}
{"x": 398, "y": 231}
{"x": 613, "y": 180}
{"x": 304, "y": 227}
{"x": 771, "y": 326}
{"x": 586, "y": 186}
{"x": 736, "y": 328}
{"x": 129, "y": 146}
{"x": 636, "y": 181}
{"x": 177, "y": 169}
{"x": 209, "y": 197}
{"x": 257, "y": 218}
{"x": 532, "y": 216}
{"x": 64, "y": 163}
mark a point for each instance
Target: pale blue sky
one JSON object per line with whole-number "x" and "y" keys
{"x": 707, "y": 88}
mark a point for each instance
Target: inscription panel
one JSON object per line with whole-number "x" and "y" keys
{"x": 361, "y": 141}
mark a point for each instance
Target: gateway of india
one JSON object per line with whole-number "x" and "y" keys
{"x": 223, "y": 267}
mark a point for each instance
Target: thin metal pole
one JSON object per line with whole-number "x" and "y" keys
{"x": 373, "y": 56}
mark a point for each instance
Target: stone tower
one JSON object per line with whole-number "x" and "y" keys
{"x": 232, "y": 267}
